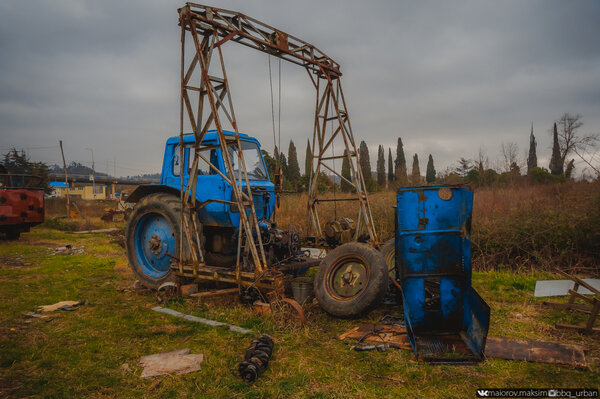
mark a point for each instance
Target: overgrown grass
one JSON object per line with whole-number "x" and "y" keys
{"x": 518, "y": 228}
{"x": 538, "y": 227}
{"x": 80, "y": 354}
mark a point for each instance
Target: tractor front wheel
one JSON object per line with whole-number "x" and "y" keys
{"x": 152, "y": 238}
{"x": 352, "y": 279}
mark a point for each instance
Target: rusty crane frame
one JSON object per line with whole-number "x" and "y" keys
{"x": 210, "y": 28}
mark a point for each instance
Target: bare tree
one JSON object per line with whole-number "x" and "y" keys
{"x": 569, "y": 140}
{"x": 509, "y": 155}
{"x": 592, "y": 159}
{"x": 482, "y": 160}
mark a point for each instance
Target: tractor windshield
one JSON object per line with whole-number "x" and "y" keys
{"x": 252, "y": 157}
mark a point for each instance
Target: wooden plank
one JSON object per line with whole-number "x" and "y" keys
{"x": 535, "y": 351}
{"x": 580, "y": 307}
{"x": 582, "y": 329}
{"x": 208, "y": 294}
{"x": 575, "y": 294}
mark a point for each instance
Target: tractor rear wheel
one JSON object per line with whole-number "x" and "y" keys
{"x": 152, "y": 238}
{"x": 352, "y": 279}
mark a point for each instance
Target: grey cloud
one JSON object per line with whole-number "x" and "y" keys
{"x": 445, "y": 76}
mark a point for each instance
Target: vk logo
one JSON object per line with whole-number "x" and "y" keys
{"x": 482, "y": 393}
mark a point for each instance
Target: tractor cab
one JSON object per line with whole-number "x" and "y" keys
{"x": 211, "y": 187}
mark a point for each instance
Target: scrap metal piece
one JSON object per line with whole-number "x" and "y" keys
{"x": 545, "y": 288}
{"x": 433, "y": 267}
{"x": 256, "y": 358}
{"x": 496, "y": 347}
{"x": 287, "y": 313}
{"x": 166, "y": 291}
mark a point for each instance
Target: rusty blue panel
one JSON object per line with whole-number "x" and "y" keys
{"x": 433, "y": 265}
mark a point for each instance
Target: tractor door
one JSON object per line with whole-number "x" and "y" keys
{"x": 210, "y": 186}
{"x": 172, "y": 167}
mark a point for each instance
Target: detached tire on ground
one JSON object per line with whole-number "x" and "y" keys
{"x": 388, "y": 250}
{"x": 151, "y": 235}
{"x": 351, "y": 280}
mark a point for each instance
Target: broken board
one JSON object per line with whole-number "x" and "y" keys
{"x": 496, "y": 347}
{"x": 535, "y": 351}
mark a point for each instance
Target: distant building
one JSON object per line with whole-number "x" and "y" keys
{"x": 83, "y": 191}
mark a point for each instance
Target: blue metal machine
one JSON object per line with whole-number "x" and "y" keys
{"x": 446, "y": 320}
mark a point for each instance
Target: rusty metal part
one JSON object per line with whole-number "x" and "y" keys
{"x": 287, "y": 313}
{"x": 214, "y": 273}
{"x": 445, "y": 193}
{"x": 256, "y": 358}
{"x": 347, "y": 278}
{"x": 166, "y": 291}
{"x": 496, "y": 347}
{"x": 339, "y": 231}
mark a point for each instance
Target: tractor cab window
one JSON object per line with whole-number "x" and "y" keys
{"x": 203, "y": 167}
{"x": 176, "y": 161}
{"x": 253, "y": 158}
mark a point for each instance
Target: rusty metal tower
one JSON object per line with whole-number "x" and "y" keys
{"x": 206, "y": 103}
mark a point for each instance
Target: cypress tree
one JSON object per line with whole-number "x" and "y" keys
{"x": 284, "y": 166}
{"x": 556, "y": 166}
{"x": 346, "y": 187}
{"x": 400, "y": 164}
{"x": 390, "y": 166}
{"x": 416, "y": 172}
{"x": 293, "y": 167}
{"x": 430, "y": 174}
{"x": 365, "y": 162}
{"x": 308, "y": 160}
{"x": 532, "y": 158}
{"x": 381, "y": 167}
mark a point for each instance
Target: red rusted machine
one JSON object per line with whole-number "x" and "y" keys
{"x": 21, "y": 204}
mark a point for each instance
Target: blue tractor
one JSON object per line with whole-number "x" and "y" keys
{"x": 352, "y": 281}
{"x": 154, "y": 228}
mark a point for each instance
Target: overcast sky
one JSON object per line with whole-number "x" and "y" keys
{"x": 447, "y": 77}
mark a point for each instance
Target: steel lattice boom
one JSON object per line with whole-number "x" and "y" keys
{"x": 207, "y": 102}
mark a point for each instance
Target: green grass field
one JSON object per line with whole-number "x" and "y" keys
{"x": 82, "y": 353}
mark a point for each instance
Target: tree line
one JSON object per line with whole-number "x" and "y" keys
{"x": 567, "y": 145}
{"x": 396, "y": 173}
{"x": 393, "y": 172}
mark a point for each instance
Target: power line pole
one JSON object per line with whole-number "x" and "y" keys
{"x": 66, "y": 179}
{"x": 93, "y": 171}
